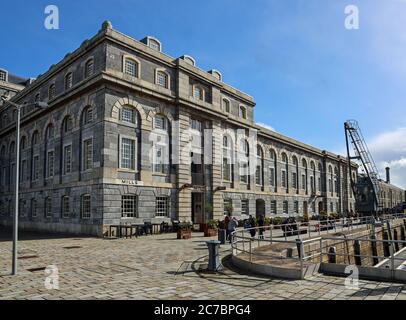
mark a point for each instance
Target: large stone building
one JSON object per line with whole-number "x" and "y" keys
{"x": 131, "y": 133}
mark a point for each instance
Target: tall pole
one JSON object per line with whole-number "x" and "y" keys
{"x": 17, "y": 182}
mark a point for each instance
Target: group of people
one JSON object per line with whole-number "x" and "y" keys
{"x": 250, "y": 224}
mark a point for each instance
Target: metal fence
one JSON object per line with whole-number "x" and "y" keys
{"x": 300, "y": 234}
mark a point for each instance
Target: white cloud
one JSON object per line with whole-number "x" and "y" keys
{"x": 263, "y": 125}
{"x": 389, "y": 150}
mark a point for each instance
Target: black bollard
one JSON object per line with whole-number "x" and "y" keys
{"x": 403, "y": 236}
{"x": 332, "y": 257}
{"x": 386, "y": 245}
{"x": 395, "y": 238}
{"x": 374, "y": 251}
{"x": 357, "y": 253}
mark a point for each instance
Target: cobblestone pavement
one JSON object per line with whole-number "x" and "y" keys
{"x": 156, "y": 267}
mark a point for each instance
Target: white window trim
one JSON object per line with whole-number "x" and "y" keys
{"x": 168, "y": 85}
{"x": 6, "y": 72}
{"x": 84, "y": 155}
{"x": 63, "y": 159}
{"x": 195, "y": 86}
{"x": 127, "y": 56}
{"x": 149, "y": 38}
{"x": 121, "y": 137}
{"x": 223, "y": 106}
{"x": 239, "y": 111}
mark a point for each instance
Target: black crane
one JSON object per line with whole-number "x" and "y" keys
{"x": 367, "y": 190}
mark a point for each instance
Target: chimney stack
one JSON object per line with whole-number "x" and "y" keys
{"x": 387, "y": 174}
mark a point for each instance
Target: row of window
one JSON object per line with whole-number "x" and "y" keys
{"x": 129, "y": 207}
{"x": 333, "y": 207}
{"x": 48, "y": 211}
{"x": 87, "y": 158}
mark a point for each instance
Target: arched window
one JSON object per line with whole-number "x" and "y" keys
{"x": 273, "y": 169}
{"x": 3, "y": 153}
{"x": 49, "y": 132}
{"x": 67, "y": 125}
{"x": 285, "y": 172}
{"x": 295, "y": 174}
{"x": 154, "y": 44}
{"x": 131, "y": 67}
{"x": 313, "y": 177}
{"x": 68, "y": 81}
{"x": 305, "y": 176}
{"x": 259, "y": 170}
{"x": 129, "y": 115}
{"x": 35, "y": 138}
{"x": 161, "y": 145}
{"x": 226, "y": 105}
{"x": 51, "y": 92}
{"x": 12, "y": 148}
{"x": 162, "y": 79}
{"x": 87, "y": 115}
{"x": 37, "y": 97}
{"x": 23, "y": 143}
{"x": 198, "y": 93}
{"x": 89, "y": 68}
{"x": 244, "y": 161}
{"x": 330, "y": 180}
{"x": 227, "y": 159}
{"x": 336, "y": 180}
{"x": 243, "y": 112}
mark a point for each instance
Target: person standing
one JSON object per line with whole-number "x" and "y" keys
{"x": 227, "y": 220}
{"x": 261, "y": 224}
{"x": 252, "y": 223}
{"x": 232, "y": 227}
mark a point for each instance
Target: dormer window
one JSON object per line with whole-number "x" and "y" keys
{"x": 217, "y": 74}
{"x": 198, "y": 93}
{"x": 68, "y": 81}
{"x": 3, "y": 75}
{"x": 89, "y": 68}
{"x": 153, "y": 44}
{"x": 51, "y": 92}
{"x": 243, "y": 112}
{"x": 189, "y": 60}
{"x": 162, "y": 79}
{"x": 131, "y": 67}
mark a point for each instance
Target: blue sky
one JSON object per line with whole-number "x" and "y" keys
{"x": 306, "y": 71}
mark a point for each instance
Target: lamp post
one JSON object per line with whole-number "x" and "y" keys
{"x": 18, "y": 107}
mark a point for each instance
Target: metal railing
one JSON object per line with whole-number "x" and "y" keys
{"x": 243, "y": 242}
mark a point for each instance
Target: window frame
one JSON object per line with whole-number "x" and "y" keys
{"x": 137, "y": 64}
{"x": 134, "y": 206}
{"x": 84, "y": 199}
{"x": 165, "y": 209}
{"x": 168, "y": 78}
{"x": 133, "y": 159}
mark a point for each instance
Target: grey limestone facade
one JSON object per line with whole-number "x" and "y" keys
{"x": 131, "y": 133}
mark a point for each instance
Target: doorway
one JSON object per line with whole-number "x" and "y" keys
{"x": 321, "y": 207}
{"x": 260, "y": 208}
{"x": 198, "y": 208}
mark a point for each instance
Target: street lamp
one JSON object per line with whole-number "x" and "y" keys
{"x": 40, "y": 105}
